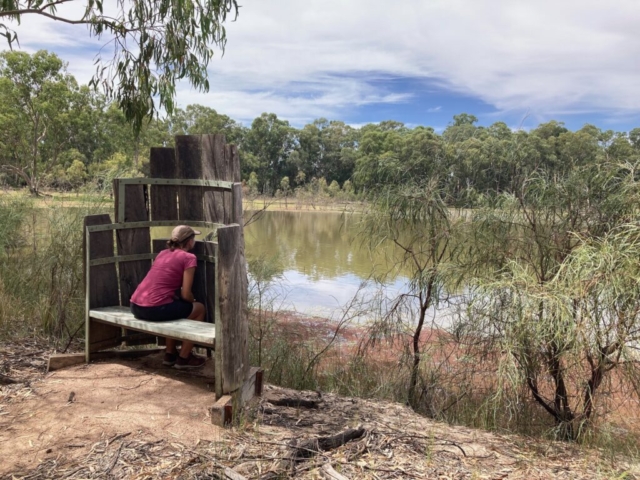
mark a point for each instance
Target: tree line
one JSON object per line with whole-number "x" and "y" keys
{"x": 56, "y": 133}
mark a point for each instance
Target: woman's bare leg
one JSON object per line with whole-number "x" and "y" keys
{"x": 196, "y": 314}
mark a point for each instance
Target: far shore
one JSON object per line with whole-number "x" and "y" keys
{"x": 80, "y": 199}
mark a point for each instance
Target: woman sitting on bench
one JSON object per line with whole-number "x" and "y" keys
{"x": 156, "y": 299}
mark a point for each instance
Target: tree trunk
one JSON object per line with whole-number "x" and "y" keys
{"x": 415, "y": 368}
{"x": 33, "y": 188}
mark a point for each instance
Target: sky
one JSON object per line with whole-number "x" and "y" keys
{"x": 420, "y": 62}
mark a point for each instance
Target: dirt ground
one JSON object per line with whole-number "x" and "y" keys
{"x": 67, "y": 411}
{"x": 137, "y": 419}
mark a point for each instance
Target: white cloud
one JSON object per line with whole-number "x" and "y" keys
{"x": 323, "y": 57}
{"x": 434, "y": 109}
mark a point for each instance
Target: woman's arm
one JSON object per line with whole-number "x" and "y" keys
{"x": 187, "y": 284}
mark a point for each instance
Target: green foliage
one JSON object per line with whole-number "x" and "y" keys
{"x": 37, "y": 123}
{"x": 285, "y": 186}
{"x": 300, "y": 177}
{"x": 154, "y": 44}
{"x": 41, "y": 277}
{"x": 76, "y": 173}
{"x": 269, "y": 142}
{"x": 334, "y": 189}
{"x": 253, "y": 183}
{"x": 552, "y": 278}
{"x": 13, "y": 213}
{"x": 116, "y": 166}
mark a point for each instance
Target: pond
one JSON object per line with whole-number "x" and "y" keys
{"x": 322, "y": 259}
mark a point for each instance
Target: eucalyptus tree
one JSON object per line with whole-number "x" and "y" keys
{"x": 39, "y": 100}
{"x": 326, "y": 149}
{"x": 552, "y": 276}
{"x": 196, "y": 119}
{"x": 149, "y": 45}
{"x": 392, "y": 158}
{"x": 267, "y": 146}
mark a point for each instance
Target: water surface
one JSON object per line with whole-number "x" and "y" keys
{"x": 323, "y": 260}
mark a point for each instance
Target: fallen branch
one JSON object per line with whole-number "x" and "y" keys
{"x": 311, "y": 447}
{"x": 293, "y": 402}
{"x": 4, "y": 380}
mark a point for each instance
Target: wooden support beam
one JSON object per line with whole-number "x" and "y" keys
{"x": 226, "y": 409}
{"x": 233, "y": 351}
{"x": 64, "y": 360}
{"x": 222, "y": 411}
{"x": 252, "y": 387}
{"x": 102, "y": 289}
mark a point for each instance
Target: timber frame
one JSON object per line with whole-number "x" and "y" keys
{"x": 197, "y": 183}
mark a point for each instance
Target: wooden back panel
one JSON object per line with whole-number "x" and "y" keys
{"x": 102, "y": 284}
{"x": 163, "y": 198}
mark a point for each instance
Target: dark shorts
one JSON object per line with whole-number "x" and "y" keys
{"x": 171, "y": 311}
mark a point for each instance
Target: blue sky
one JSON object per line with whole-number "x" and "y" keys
{"x": 415, "y": 61}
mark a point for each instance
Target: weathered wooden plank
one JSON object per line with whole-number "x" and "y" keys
{"x": 232, "y": 153}
{"x": 243, "y": 291}
{"x": 209, "y": 249}
{"x": 163, "y": 198}
{"x": 235, "y": 327}
{"x": 102, "y": 285}
{"x": 201, "y": 333}
{"x": 199, "y": 288}
{"x": 251, "y": 387}
{"x": 222, "y": 411}
{"x": 64, "y": 360}
{"x": 158, "y": 244}
{"x": 189, "y": 152}
{"x": 215, "y": 168}
{"x": 133, "y": 241}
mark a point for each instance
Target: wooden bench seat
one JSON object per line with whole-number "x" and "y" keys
{"x": 200, "y": 333}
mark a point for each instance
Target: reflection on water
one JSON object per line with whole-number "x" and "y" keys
{"x": 323, "y": 260}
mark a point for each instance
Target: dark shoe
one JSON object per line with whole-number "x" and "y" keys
{"x": 189, "y": 363}
{"x": 169, "y": 359}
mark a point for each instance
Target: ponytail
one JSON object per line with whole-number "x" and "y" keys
{"x": 172, "y": 245}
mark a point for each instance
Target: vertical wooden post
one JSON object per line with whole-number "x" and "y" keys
{"x": 102, "y": 286}
{"x": 189, "y": 152}
{"x": 163, "y": 198}
{"x": 215, "y": 168}
{"x": 233, "y": 348}
{"x": 133, "y": 241}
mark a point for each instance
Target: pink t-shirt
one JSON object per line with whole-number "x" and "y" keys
{"x": 164, "y": 278}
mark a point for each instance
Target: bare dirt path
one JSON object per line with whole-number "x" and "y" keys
{"x": 136, "y": 419}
